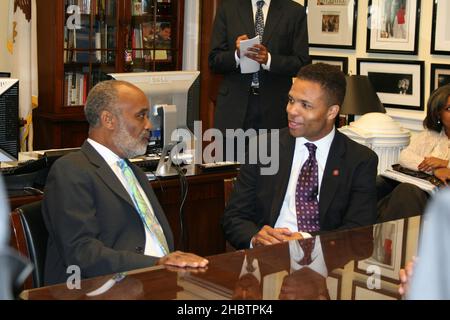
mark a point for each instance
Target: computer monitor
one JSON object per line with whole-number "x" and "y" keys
{"x": 9, "y": 119}
{"x": 172, "y": 88}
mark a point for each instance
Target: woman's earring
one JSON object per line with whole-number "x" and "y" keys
{"x": 439, "y": 122}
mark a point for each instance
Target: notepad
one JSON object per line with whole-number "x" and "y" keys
{"x": 248, "y": 65}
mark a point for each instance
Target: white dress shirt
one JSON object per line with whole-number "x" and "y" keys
{"x": 288, "y": 213}
{"x": 151, "y": 242}
{"x": 265, "y": 10}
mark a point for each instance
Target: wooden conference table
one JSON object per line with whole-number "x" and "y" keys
{"x": 356, "y": 264}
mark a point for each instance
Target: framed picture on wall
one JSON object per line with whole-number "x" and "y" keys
{"x": 393, "y": 26}
{"x": 389, "y": 244}
{"x": 440, "y": 75}
{"x": 398, "y": 83}
{"x": 360, "y": 291}
{"x": 440, "y": 36}
{"x": 341, "y": 62}
{"x": 332, "y": 23}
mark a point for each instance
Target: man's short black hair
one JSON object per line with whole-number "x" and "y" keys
{"x": 331, "y": 79}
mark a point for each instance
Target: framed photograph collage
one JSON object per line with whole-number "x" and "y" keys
{"x": 393, "y": 27}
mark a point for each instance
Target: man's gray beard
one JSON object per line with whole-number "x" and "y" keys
{"x": 127, "y": 144}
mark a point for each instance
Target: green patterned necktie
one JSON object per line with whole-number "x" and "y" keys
{"x": 147, "y": 215}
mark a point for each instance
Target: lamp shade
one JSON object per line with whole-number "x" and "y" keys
{"x": 360, "y": 97}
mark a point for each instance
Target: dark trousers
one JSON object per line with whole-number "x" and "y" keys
{"x": 253, "y": 115}
{"x": 252, "y": 121}
{"x": 405, "y": 200}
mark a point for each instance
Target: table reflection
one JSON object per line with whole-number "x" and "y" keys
{"x": 354, "y": 264}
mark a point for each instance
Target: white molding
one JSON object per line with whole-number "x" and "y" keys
{"x": 191, "y": 35}
{"x": 412, "y": 120}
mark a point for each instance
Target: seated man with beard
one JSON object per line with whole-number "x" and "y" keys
{"x": 100, "y": 211}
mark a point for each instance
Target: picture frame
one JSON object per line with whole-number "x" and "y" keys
{"x": 388, "y": 250}
{"x": 341, "y": 62}
{"x": 393, "y": 26}
{"x": 332, "y": 23}
{"x": 440, "y": 75}
{"x": 398, "y": 83}
{"x": 360, "y": 291}
{"x": 440, "y": 37}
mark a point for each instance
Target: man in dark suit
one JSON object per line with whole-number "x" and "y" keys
{"x": 245, "y": 100}
{"x": 325, "y": 180}
{"x": 100, "y": 211}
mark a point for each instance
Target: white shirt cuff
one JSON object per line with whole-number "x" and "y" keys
{"x": 269, "y": 61}
{"x": 238, "y": 61}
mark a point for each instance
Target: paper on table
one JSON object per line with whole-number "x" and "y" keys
{"x": 248, "y": 65}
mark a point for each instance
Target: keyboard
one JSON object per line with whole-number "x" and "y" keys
{"x": 147, "y": 165}
{"x": 23, "y": 167}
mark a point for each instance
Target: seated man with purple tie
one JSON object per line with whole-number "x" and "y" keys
{"x": 99, "y": 209}
{"x": 325, "y": 181}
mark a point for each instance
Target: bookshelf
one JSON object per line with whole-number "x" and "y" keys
{"x": 81, "y": 41}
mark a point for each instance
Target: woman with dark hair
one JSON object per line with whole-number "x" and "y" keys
{"x": 429, "y": 150}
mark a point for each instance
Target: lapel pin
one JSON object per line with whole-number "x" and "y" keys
{"x": 335, "y": 173}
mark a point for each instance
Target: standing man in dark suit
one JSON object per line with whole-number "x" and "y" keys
{"x": 257, "y": 100}
{"x": 325, "y": 180}
{"x": 100, "y": 211}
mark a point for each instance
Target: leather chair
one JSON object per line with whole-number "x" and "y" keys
{"x": 29, "y": 237}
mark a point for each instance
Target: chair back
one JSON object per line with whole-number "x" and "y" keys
{"x": 228, "y": 186}
{"x": 29, "y": 237}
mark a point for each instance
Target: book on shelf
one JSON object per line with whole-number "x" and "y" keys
{"x": 75, "y": 88}
{"x": 106, "y": 7}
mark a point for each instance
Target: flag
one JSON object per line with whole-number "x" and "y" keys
{"x": 22, "y": 45}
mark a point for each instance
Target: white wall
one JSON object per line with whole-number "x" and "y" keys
{"x": 5, "y": 64}
{"x": 191, "y": 35}
{"x": 409, "y": 119}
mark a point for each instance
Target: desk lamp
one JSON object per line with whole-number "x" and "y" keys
{"x": 360, "y": 98}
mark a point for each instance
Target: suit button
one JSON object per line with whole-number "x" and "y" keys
{"x": 139, "y": 250}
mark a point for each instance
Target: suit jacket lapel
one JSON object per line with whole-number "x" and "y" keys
{"x": 331, "y": 175}
{"x": 105, "y": 173}
{"x": 287, "y": 148}
{"x": 246, "y": 14}
{"x": 273, "y": 18}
